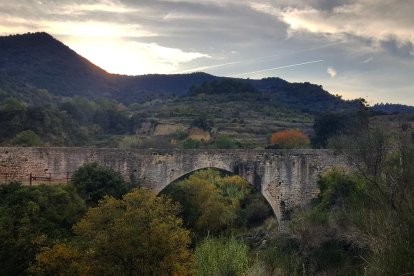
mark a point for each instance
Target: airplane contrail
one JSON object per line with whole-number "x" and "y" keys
{"x": 225, "y": 64}
{"x": 277, "y": 68}
{"x": 208, "y": 67}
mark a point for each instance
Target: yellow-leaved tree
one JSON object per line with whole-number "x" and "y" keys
{"x": 210, "y": 201}
{"x": 139, "y": 234}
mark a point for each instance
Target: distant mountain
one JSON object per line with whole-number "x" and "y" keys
{"x": 148, "y": 87}
{"x": 388, "y": 108}
{"x": 38, "y": 61}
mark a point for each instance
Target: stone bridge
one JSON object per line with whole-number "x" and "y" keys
{"x": 286, "y": 178}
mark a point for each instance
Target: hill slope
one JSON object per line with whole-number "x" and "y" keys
{"x": 37, "y": 60}
{"x": 41, "y": 79}
{"x": 40, "y": 61}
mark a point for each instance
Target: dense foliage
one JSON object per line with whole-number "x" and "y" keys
{"x": 388, "y": 108}
{"x": 228, "y": 218}
{"x": 224, "y": 86}
{"x": 329, "y": 125}
{"x": 221, "y": 257}
{"x": 93, "y": 182}
{"x": 362, "y": 222}
{"x": 31, "y": 218}
{"x": 289, "y": 139}
{"x": 49, "y": 125}
{"x": 136, "y": 235}
{"x": 210, "y": 202}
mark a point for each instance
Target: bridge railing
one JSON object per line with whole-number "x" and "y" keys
{"x": 33, "y": 179}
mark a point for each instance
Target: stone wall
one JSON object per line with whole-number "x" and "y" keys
{"x": 286, "y": 178}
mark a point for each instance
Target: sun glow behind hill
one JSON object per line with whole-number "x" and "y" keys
{"x": 131, "y": 58}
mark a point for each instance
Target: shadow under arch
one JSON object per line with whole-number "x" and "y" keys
{"x": 256, "y": 189}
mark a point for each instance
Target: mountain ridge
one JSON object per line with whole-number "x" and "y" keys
{"x": 50, "y": 90}
{"x": 40, "y": 61}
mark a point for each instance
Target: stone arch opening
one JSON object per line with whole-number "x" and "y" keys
{"x": 256, "y": 191}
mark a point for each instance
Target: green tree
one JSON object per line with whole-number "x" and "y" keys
{"x": 27, "y": 138}
{"x": 93, "y": 182}
{"x": 33, "y": 217}
{"x": 204, "y": 209}
{"x": 12, "y": 104}
{"x": 332, "y": 124}
{"x": 223, "y": 142}
{"x": 210, "y": 201}
{"x": 203, "y": 122}
{"x": 80, "y": 109}
{"x": 54, "y": 126}
{"x": 139, "y": 234}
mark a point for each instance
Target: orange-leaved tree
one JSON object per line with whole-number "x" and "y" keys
{"x": 289, "y": 139}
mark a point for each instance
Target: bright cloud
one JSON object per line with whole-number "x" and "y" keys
{"x": 132, "y": 58}
{"x": 93, "y": 30}
{"x": 331, "y": 72}
{"x": 373, "y": 19}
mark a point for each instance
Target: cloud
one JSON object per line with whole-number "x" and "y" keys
{"x": 376, "y": 20}
{"x": 331, "y": 72}
{"x": 133, "y": 58}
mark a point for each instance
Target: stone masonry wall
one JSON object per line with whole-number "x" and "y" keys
{"x": 286, "y": 178}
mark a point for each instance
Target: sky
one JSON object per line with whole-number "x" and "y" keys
{"x": 353, "y": 48}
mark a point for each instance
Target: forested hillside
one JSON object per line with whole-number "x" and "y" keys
{"x": 42, "y": 62}
{"x": 51, "y": 96}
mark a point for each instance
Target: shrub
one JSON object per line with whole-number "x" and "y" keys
{"x": 210, "y": 201}
{"x": 27, "y": 138}
{"x": 221, "y": 257}
{"x": 282, "y": 255}
{"x": 289, "y": 139}
{"x": 223, "y": 142}
{"x": 254, "y": 210}
{"x": 93, "y": 182}
{"x": 339, "y": 190}
{"x": 130, "y": 142}
{"x": 204, "y": 208}
{"x": 191, "y": 144}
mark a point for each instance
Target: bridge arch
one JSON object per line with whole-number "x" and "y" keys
{"x": 246, "y": 172}
{"x": 223, "y": 173}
